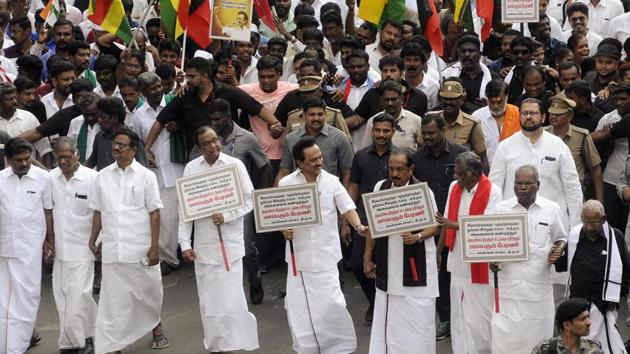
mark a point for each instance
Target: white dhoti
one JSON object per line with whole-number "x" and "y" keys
{"x": 522, "y": 324}
{"x": 604, "y": 330}
{"x": 317, "y": 314}
{"x": 129, "y": 306}
{"x": 20, "y": 284}
{"x": 169, "y": 221}
{"x": 72, "y": 287}
{"x": 403, "y": 324}
{"x": 227, "y": 323}
{"x": 471, "y": 313}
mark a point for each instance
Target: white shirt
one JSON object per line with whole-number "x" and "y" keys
{"x": 592, "y": 38}
{"x": 71, "y": 213}
{"x": 167, "y": 172}
{"x": 92, "y": 130}
{"x": 21, "y": 122}
{"x": 490, "y": 129}
{"x": 375, "y": 55}
{"x": 354, "y": 98}
{"x": 456, "y": 69}
{"x": 616, "y": 164}
{"x": 620, "y": 27}
{"x": 22, "y": 204}
{"x": 531, "y": 280}
{"x": 600, "y": 16}
{"x": 8, "y": 66}
{"x": 126, "y": 232}
{"x": 554, "y": 9}
{"x": 395, "y": 263}
{"x": 408, "y": 131}
{"x": 51, "y": 105}
{"x": 207, "y": 246}
{"x": 250, "y": 74}
{"x": 317, "y": 248}
{"x": 454, "y": 263}
{"x": 99, "y": 91}
{"x": 237, "y": 33}
{"x": 430, "y": 87}
{"x": 559, "y": 180}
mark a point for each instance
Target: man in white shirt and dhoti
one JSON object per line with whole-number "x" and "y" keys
{"x": 26, "y": 219}
{"x": 126, "y": 201}
{"x": 404, "y": 309}
{"x": 526, "y": 290}
{"x": 73, "y": 271}
{"x": 316, "y": 307}
{"x": 471, "y": 193}
{"x": 227, "y": 323}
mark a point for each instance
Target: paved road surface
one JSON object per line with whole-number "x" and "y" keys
{"x": 182, "y": 322}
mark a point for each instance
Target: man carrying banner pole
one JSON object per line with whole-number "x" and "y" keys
{"x": 404, "y": 308}
{"x": 316, "y": 307}
{"x": 527, "y": 304}
{"x": 471, "y": 294}
{"x": 227, "y": 323}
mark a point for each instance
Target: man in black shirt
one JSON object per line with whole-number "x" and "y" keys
{"x": 522, "y": 50}
{"x": 190, "y": 111}
{"x": 368, "y": 167}
{"x": 59, "y": 123}
{"x": 391, "y": 68}
{"x": 597, "y": 260}
{"x": 435, "y": 164}
{"x": 27, "y": 98}
{"x": 111, "y": 118}
{"x": 585, "y": 114}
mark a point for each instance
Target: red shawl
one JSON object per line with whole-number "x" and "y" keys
{"x": 479, "y": 271}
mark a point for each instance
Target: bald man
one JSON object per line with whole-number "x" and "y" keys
{"x": 597, "y": 260}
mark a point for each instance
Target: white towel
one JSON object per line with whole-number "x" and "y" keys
{"x": 614, "y": 268}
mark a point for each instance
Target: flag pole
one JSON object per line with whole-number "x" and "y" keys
{"x": 184, "y": 48}
{"x": 135, "y": 30}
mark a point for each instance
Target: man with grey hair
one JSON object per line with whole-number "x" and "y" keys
{"x": 598, "y": 264}
{"x": 526, "y": 297}
{"x": 472, "y": 193}
{"x": 73, "y": 271}
{"x": 405, "y": 274}
{"x": 164, "y": 165}
{"x": 83, "y": 129}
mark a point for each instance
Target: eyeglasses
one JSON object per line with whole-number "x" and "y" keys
{"x": 63, "y": 157}
{"x": 529, "y": 114}
{"x": 119, "y": 144}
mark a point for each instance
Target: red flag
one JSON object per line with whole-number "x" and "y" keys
{"x": 199, "y": 23}
{"x": 431, "y": 20}
{"x": 484, "y": 10}
{"x": 264, "y": 13}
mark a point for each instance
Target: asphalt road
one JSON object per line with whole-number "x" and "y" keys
{"x": 182, "y": 321}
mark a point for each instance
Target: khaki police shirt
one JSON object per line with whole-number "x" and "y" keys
{"x": 466, "y": 131}
{"x": 334, "y": 118}
{"x": 582, "y": 149}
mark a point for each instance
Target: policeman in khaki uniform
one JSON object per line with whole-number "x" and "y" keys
{"x": 573, "y": 322}
{"x": 309, "y": 86}
{"x": 585, "y": 155}
{"x": 461, "y": 128}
